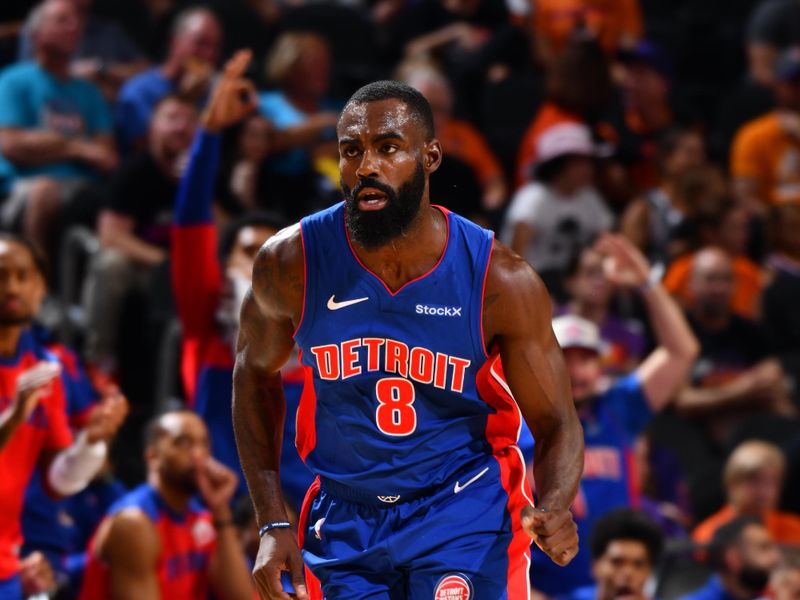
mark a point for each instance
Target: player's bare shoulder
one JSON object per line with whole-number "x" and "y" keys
{"x": 515, "y": 299}
{"x": 279, "y": 274}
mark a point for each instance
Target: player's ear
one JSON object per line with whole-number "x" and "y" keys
{"x": 432, "y": 155}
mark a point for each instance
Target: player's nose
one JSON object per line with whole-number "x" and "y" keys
{"x": 368, "y": 167}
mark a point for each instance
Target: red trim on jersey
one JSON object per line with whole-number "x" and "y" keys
{"x": 305, "y": 424}
{"x": 305, "y": 284}
{"x": 312, "y": 583}
{"x": 446, "y": 214}
{"x": 633, "y": 481}
{"x": 502, "y": 432}
{"x": 483, "y": 296}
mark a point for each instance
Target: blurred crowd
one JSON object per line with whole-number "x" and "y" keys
{"x": 130, "y": 217}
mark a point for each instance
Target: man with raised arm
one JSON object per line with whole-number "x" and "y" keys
{"x": 425, "y": 344}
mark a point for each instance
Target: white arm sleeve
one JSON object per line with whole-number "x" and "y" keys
{"x": 73, "y": 468}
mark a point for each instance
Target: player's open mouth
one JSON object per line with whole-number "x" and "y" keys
{"x": 371, "y": 199}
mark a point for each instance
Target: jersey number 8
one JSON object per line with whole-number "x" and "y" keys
{"x": 395, "y": 414}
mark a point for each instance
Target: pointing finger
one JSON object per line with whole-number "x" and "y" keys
{"x": 237, "y": 65}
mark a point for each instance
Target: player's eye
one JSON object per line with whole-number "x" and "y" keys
{"x": 389, "y": 148}
{"x": 350, "y": 152}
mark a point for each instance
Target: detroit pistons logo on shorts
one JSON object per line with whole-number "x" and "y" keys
{"x": 454, "y": 586}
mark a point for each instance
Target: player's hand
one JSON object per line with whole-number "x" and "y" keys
{"x": 554, "y": 531}
{"x": 217, "y": 484}
{"x": 279, "y": 551}
{"x": 624, "y": 264}
{"x": 36, "y": 574}
{"x": 107, "y": 417}
{"x": 233, "y": 98}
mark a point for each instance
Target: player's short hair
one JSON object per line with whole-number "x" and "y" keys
{"x": 394, "y": 90}
{"x": 227, "y": 239}
{"x": 627, "y": 524}
{"x": 154, "y": 431}
{"x": 726, "y": 536}
{"x": 37, "y": 254}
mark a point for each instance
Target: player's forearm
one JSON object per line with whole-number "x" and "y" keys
{"x": 196, "y": 190}
{"x": 558, "y": 462}
{"x": 259, "y": 411}
{"x": 671, "y": 329}
{"x": 231, "y": 575}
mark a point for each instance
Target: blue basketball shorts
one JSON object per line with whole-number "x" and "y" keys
{"x": 461, "y": 541}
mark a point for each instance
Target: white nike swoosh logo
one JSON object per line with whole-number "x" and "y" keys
{"x": 333, "y": 305}
{"x": 459, "y": 488}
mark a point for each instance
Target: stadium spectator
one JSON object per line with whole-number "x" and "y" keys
{"x": 134, "y": 227}
{"x": 765, "y": 156}
{"x": 55, "y": 130}
{"x": 34, "y": 430}
{"x": 646, "y": 113}
{"x": 299, "y": 64}
{"x": 657, "y": 221}
{"x": 626, "y": 546}
{"x": 591, "y": 296}
{"x": 210, "y": 280}
{"x": 159, "y": 541}
{"x": 784, "y": 581}
{"x": 578, "y": 88}
{"x": 742, "y": 554}
{"x": 753, "y": 477}
{"x": 105, "y": 54}
{"x": 782, "y": 295}
{"x": 194, "y": 51}
{"x": 551, "y": 218}
{"x": 459, "y": 138}
{"x": 727, "y": 228}
{"x": 773, "y": 28}
{"x": 613, "y": 418}
{"x": 614, "y": 25}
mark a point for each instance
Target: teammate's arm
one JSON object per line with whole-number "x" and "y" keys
{"x": 130, "y": 549}
{"x": 517, "y": 315}
{"x": 268, "y": 319}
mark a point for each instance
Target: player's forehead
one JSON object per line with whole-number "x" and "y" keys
{"x": 364, "y": 120}
{"x": 15, "y": 254}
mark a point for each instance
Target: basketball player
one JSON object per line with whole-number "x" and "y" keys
{"x": 158, "y": 542}
{"x": 403, "y": 312}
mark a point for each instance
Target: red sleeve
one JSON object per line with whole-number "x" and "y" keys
{"x": 196, "y": 277}
{"x": 59, "y": 435}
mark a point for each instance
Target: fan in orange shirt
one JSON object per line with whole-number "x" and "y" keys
{"x": 460, "y": 139}
{"x": 729, "y": 230}
{"x": 578, "y": 89}
{"x": 753, "y": 479}
{"x": 765, "y": 157}
{"x": 613, "y": 23}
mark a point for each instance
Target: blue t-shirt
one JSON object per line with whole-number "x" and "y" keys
{"x": 32, "y": 98}
{"x": 712, "y": 590}
{"x": 276, "y": 107}
{"x": 135, "y": 104}
{"x": 610, "y": 426}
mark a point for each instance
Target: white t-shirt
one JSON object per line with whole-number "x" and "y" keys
{"x": 561, "y": 224}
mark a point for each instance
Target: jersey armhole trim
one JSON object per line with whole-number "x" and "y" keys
{"x": 305, "y": 284}
{"x": 483, "y": 294}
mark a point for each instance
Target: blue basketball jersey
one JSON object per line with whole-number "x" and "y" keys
{"x": 400, "y": 392}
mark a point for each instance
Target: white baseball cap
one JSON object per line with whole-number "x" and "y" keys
{"x": 576, "y": 332}
{"x": 574, "y": 139}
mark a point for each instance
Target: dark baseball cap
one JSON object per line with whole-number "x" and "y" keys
{"x": 650, "y": 54}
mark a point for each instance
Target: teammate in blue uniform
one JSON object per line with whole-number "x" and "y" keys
{"x": 415, "y": 329}
{"x": 612, "y": 418}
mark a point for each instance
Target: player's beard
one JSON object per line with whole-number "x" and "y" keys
{"x": 185, "y": 481}
{"x": 13, "y": 319}
{"x": 374, "y": 228}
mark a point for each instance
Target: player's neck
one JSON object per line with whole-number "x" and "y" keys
{"x": 411, "y": 255}
{"x": 9, "y": 339}
{"x": 176, "y": 500}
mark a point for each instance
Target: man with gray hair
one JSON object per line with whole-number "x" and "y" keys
{"x": 55, "y": 131}
{"x": 194, "y": 52}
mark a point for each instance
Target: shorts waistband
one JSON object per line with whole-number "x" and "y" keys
{"x": 345, "y": 492}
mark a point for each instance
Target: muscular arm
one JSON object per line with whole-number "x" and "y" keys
{"x": 130, "y": 549}
{"x": 517, "y": 317}
{"x": 268, "y": 319}
{"x": 228, "y": 572}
